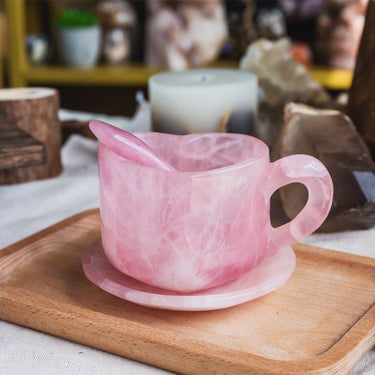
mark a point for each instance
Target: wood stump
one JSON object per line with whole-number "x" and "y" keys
{"x": 18, "y": 148}
{"x": 35, "y": 111}
{"x": 361, "y": 104}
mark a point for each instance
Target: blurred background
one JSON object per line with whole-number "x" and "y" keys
{"x": 125, "y": 42}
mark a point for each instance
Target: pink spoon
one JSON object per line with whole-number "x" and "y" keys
{"x": 128, "y": 145}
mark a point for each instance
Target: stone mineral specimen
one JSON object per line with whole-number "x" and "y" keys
{"x": 281, "y": 80}
{"x": 330, "y": 136}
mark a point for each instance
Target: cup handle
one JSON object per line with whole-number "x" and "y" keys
{"x": 313, "y": 174}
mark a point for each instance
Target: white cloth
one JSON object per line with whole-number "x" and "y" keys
{"x": 30, "y": 207}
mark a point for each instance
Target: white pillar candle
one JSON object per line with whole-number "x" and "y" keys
{"x": 203, "y": 100}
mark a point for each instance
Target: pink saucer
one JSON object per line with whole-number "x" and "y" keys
{"x": 268, "y": 276}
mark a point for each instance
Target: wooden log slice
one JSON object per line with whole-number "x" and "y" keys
{"x": 18, "y": 148}
{"x": 34, "y": 110}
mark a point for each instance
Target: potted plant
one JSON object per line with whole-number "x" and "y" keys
{"x": 78, "y": 38}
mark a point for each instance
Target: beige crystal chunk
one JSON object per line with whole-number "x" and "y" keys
{"x": 281, "y": 80}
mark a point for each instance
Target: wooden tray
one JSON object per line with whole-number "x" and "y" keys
{"x": 321, "y": 321}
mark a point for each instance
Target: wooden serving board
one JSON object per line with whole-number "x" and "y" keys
{"x": 321, "y": 321}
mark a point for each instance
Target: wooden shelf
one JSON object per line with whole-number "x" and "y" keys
{"x": 132, "y": 74}
{"x": 100, "y": 75}
{"x": 22, "y": 74}
{"x": 333, "y": 79}
{"x": 138, "y": 74}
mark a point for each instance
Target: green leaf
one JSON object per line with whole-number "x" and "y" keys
{"x": 76, "y": 18}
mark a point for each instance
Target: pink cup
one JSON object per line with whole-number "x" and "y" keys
{"x": 207, "y": 223}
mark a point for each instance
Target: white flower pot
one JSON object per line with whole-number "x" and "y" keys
{"x": 79, "y": 46}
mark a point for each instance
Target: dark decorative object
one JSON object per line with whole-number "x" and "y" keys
{"x": 241, "y": 27}
{"x": 338, "y": 32}
{"x": 361, "y": 105}
{"x": 330, "y": 136}
{"x": 118, "y": 19}
{"x": 301, "y": 9}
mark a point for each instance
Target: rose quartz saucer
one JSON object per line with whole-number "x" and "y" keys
{"x": 265, "y": 278}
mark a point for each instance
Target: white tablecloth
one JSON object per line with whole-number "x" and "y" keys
{"x": 27, "y": 208}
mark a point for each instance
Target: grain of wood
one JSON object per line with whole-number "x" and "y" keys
{"x": 321, "y": 321}
{"x": 19, "y": 149}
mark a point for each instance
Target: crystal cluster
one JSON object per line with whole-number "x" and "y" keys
{"x": 281, "y": 80}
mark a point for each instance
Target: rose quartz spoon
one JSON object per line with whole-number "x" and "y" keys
{"x": 128, "y": 145}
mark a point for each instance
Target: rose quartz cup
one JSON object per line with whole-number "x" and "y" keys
{"x": 207, "y": 223}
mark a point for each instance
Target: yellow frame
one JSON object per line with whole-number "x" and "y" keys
{"x": 17, "y": 65}
{"x": 1, "y": 64}
{"x": 21, "y": 74}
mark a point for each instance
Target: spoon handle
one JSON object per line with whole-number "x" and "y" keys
{"x": 128, "y": 145}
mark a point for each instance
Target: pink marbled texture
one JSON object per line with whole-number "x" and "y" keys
{"x": 127, "y": 145}
{"x": 263, "y": 279}
{"x": 208, "y": 222}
